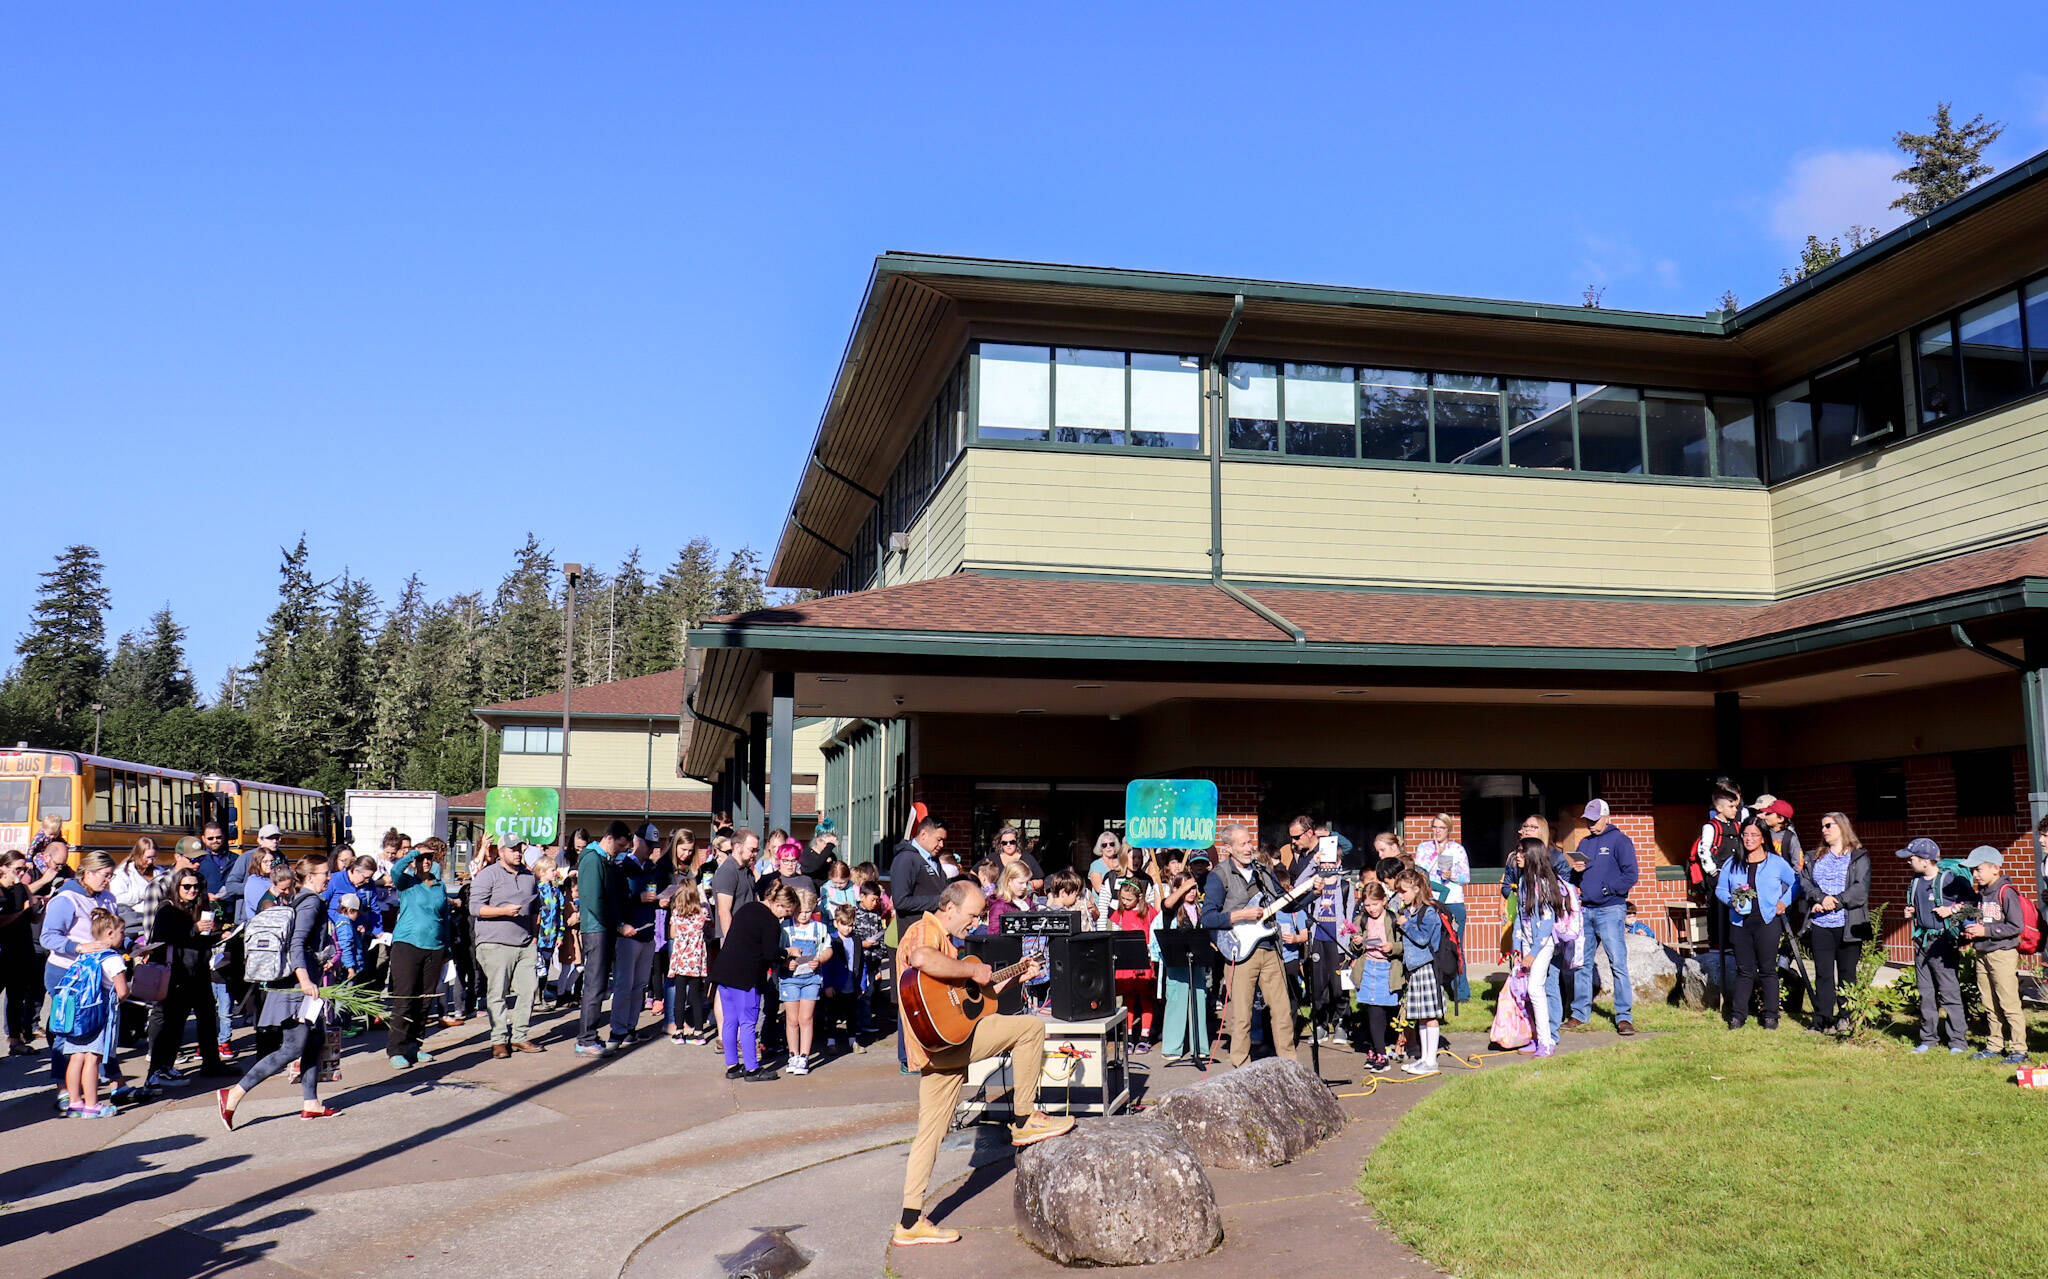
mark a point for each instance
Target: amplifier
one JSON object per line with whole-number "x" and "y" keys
{"x": 1040, "y": 923}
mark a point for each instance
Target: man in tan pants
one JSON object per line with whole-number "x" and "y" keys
{"x": 1228, "y": 900}
{"x": 928, "y": 946}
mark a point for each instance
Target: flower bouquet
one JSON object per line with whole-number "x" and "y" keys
{"x": 1743, "y": 899}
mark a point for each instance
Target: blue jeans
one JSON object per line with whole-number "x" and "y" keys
{"x": 223, "y": 1010}
{"x": 1606, "y": 929}
{"x": 1553, "y": 988}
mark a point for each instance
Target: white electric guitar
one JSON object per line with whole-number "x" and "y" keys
{"x": 1238, "y": 941}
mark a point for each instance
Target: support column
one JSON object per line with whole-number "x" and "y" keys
{"x": 781, "y": 749}
{"x": 1728, "y": 733}
{"x": 2034, "y": 709}
{"x": 754, "y": 781}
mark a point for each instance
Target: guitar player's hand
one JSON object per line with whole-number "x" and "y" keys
{"x": 1245, "y": 914}
{"x": 979, "y": 972}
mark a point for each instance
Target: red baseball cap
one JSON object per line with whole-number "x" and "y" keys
{"x": 1779, "y": 807}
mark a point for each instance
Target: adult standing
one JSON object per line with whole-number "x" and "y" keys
{"x": 1996, "y": 934}
{"x": 131, "y": 885}
{"x": 1228, "y": 902}
{"x": 819, "y": 853}
{"x": 1010, "y": 852}
{"x": 419, "y": 947}
{"x": 18, "y": 974}
{"x": 745, "y": 965}
{"x": 930, "y": 946}
{"x": 636, "y": 882}
{"x": 732, "y": 884}
{"x": 598, "y": 926}
{"x": 1606, "y": 863}
{"x": 292, "y": 1002}
{"x": 1756, "y": 887}
{"x": 1446, "y": 862}
{"x": 233, "y": 884}
{"x": 67, "y": 924}
{"x": 184, "y": 930}
{"x": 1837, "y": 885}
{"x": 915, "y": 882}
{"x": 216, "y": 859}
{"x": 503, "y": 900}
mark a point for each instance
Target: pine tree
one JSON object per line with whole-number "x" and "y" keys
{"x": 349, "y": 670}
{"x": 1820, "y": 254}
{"x": 1730, "y": 304}
{"x": 1945, "y": 163}
{"x": 685, "y": 595}
{"x": 166, "y": 681}
{"x": 123, "y": 684}
{"x": 446, "y": 754}
{"x": 64, "y": 653}
{"x": 523, "y": 646}
{"x": 399, "y": 678}
{"x": 291, "y": 699}
{"x": 630, "y": 607}
{"x": 594, "y": 619}
{"x": 739, "y": 587}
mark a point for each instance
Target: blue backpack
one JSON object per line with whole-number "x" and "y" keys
{"x": 79, "y": 1008}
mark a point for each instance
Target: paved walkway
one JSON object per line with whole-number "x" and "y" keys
{"x": 647, "y": 1164}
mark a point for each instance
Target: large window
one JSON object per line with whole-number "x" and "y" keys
{"x": 1984, "y": 355}
{"x": 1322, "y": 411}
{"x": 1465, "y": 411}
{"x": 1540, "y": 424}
{"x": 1255, "y": 407}
{"x": 1081, "y": 395}
{"x": 1611, "y": 429}
{"x": 521, "y": 740}
{"x": 1676, "y": 427}
{"x": 1837, "y": 413}
{"x": 2034, "y": 314}
{"x": 1393, "y": 415}
{"x": 1984, "y": 783}
{"x": 1993, "y": 348}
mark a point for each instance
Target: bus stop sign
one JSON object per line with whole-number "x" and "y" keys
{"x": 530, "y": 813}
{"x": 1176, "y": 813}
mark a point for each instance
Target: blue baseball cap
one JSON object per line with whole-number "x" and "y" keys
{"x": 1921, "y": 848}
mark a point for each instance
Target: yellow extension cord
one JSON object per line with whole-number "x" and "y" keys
{"x": 1371, "y": 1083}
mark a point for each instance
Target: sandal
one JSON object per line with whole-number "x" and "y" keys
{"x": 325, "y": 1112}
{"x": 227, "y": 1112}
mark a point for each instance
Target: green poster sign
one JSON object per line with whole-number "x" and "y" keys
{"x": 1170, "y": 814}
{"x": 530, "y": 812}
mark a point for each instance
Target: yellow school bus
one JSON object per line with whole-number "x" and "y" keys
{"x": 107, "y": 803}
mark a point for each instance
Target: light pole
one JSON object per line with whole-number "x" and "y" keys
{"x": 97, "y": 711}
{"x": 574, "y": 574}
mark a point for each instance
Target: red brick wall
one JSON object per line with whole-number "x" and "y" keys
{"x": 951, "y": 800}
{"x": 1930, "y": 813}
{"x": 1238, "y": 792}
{"x": 1425, "y": 792}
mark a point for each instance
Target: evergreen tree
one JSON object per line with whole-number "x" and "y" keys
{"x": 685, "y": 595}
{"x": 64, "y": 653}
{"x": 233, "y": 693}
{"x": 630, "y": 628}
{"x": 1945, "y": 163}
{"x": 123, "y": 684}
{"x": 739, "y": 587}
{"x": 399, "y": 704}
{"x": 447, "y": 752}
{"x": 523, "y": 646}
{"x": 595, "y": 619}
{"x": 1820, "y": 254}
{"x": 348, "y": 668}
{"x": 166, "y": 681}
{"x": 291, "y": 700}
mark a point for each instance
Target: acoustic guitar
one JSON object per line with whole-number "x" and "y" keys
{"x": 941, "y": 1012}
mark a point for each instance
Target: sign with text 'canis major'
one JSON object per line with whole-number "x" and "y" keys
{"x": 1176, "y": 813}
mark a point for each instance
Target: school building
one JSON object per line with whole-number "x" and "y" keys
{"x": 1375, "y": 555}
{"x": 624, "y": 761}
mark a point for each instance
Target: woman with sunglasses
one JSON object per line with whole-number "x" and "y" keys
{"x": 183, "y": 933}
{"x": 1837, "y": 885}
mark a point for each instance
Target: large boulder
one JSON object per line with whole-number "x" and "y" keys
{"x": 1701, "y": 980}
{"x": 1119, "y": 1192}
{"x": 1260, "y": 1115}
{"x": 1652, "y": 972}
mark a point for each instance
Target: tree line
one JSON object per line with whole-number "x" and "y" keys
{"x": 342, "y": 689}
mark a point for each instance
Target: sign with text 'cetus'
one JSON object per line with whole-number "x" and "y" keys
{"x": 530, "y": 813}
{"x": 1170, "y": 813}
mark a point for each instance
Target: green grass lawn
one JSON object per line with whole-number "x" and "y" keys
{"x": 1705, "y": 1152}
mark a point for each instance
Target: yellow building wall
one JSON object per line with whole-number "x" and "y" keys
{"x": 1976, "y": 484}
{"x": 1088, "y": 512}
{"x": 1493, "y": 529}
{"x": 614, "y": 757}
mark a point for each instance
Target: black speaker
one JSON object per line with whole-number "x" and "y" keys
{"x": 1083, "y": 970}
{"x": 998, "y": 952}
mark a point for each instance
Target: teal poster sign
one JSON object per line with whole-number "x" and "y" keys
{"x": 1170, "y": 813}
{"x": 529, "y": 812}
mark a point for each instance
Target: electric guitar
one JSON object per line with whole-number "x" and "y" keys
{"x": 941, "y": 1012}
{"x": 1237, "y": 942}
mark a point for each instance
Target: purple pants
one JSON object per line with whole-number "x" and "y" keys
{"x": 742, "y": 1008}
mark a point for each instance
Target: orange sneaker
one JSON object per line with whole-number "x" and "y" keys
{"x": 1038, "y": 1126}
{"x": 923, "y": 1232}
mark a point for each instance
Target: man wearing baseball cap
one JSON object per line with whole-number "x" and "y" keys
{"x": 1932, "y": 896}
{"x": 1606, "y": 862}
{"x": 1996, "y": 934}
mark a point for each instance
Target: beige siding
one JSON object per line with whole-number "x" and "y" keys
{"x": 1980, "y": 483}
{"x": 937, "y": 536}
{"x": 611, "y": 757}
{"x": 1492, "y": 529}
{"x": 1100, "y": 512}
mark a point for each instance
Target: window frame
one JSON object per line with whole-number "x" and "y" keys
{"x": 1127, "y": 445}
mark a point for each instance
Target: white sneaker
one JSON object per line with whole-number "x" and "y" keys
{"x": 1418, "y": 1068}
{"x": 799, "y": 1066}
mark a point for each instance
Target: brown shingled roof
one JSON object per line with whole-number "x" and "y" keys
{"x": 971, "y": 603}
{"x": 657, "y": 694}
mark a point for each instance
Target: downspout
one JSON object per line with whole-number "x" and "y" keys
{"x": 2032, "y": 712}
{"x": 740, "y": 734}
{"x": 1214, "y": 395}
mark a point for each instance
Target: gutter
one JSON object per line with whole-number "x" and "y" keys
{"x": 1214, "y": 395}
{"x": 1963, "y": 640}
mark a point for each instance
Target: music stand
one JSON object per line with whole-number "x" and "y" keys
{"x": 1187, "y": 947}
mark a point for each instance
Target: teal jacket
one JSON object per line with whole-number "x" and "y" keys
{"x": 596, "y": 908}
{"x": 422, "y": 906}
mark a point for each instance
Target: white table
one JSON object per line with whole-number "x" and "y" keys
{"x": 1084, "y": 1057}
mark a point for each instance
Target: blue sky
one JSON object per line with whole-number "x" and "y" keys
{"x": 414, "y": 280}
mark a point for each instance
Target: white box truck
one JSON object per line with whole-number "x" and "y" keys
{"x": 367, "y": 814}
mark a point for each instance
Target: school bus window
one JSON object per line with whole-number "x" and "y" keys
{"x": 13, "y": 799}
{"x": 53, "y": 798}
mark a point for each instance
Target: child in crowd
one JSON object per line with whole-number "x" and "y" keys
{"x": 1422, "y": 933}
{"x": 840, "y": 890}
{"x": 1933, "y": 897}
{"x": 689, "y": 966}
{"x": 1294, "y": 936}
{"x": 868, "y": 927}
{"x": 807, "y": 944}
{"x": 1065, "y": 891}
{"x": 1636, "y": 925}
{"x": 1184, "y": 1012}
{"x": 547, "y": 933}
{"x": 1013, "y": 893}
{"x": 844, "y": 983}
{"x": 1134, "y": 986}
{"x": 866, "y": 876}
{"x": 84, "y": 1050}
{"x": 1379, "y": 949}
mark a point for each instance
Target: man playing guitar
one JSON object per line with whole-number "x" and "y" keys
{"x": 928, "y": 946}
{"x": 1233, "y": 890}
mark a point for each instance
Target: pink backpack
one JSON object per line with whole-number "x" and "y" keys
{"x": 1511, "y": 1025}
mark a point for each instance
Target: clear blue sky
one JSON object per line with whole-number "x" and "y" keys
{"x": 415, "y": 279}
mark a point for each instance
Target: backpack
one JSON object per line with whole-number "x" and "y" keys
{"x": 1571, "y": 923}
{"x": 1695, "y": 872}
{"x": 264, "y": 943}
{"x": 2030, "y": 924}
{"x": 79, "y": 1008}
{"x": 1449, "y": 959}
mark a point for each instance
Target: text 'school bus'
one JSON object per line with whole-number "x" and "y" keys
{"x": 106, "y": 803}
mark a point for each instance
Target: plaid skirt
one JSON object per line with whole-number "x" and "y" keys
{"x": 1423, "y": 999}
